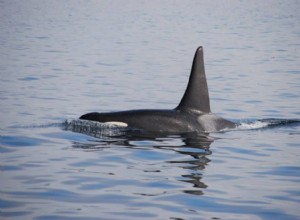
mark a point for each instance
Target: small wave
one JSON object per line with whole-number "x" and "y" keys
{"x": 266, "y": 123}
{"x": 94, "y": 128}
{"x": 252, "y": 125}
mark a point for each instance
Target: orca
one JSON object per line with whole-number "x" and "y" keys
{"x": 193, "y": 113}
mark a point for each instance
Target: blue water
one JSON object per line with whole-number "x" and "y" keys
{"x": 60, "y": 59}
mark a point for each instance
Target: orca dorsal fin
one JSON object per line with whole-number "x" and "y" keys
{"x": 196, "y": 94}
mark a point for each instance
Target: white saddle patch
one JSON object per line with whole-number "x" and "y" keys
{"x": 116, "y": 123}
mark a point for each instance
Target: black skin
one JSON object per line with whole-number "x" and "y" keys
{"x": 193, "y": 114}
{"x": 169, "y": 121}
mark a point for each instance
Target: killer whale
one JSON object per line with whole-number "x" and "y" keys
{"x": 193, "y": 114}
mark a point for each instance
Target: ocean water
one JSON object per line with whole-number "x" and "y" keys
{"x": 61, "y": 59}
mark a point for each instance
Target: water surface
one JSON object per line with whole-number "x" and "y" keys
{"x": 61, "y": 59}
